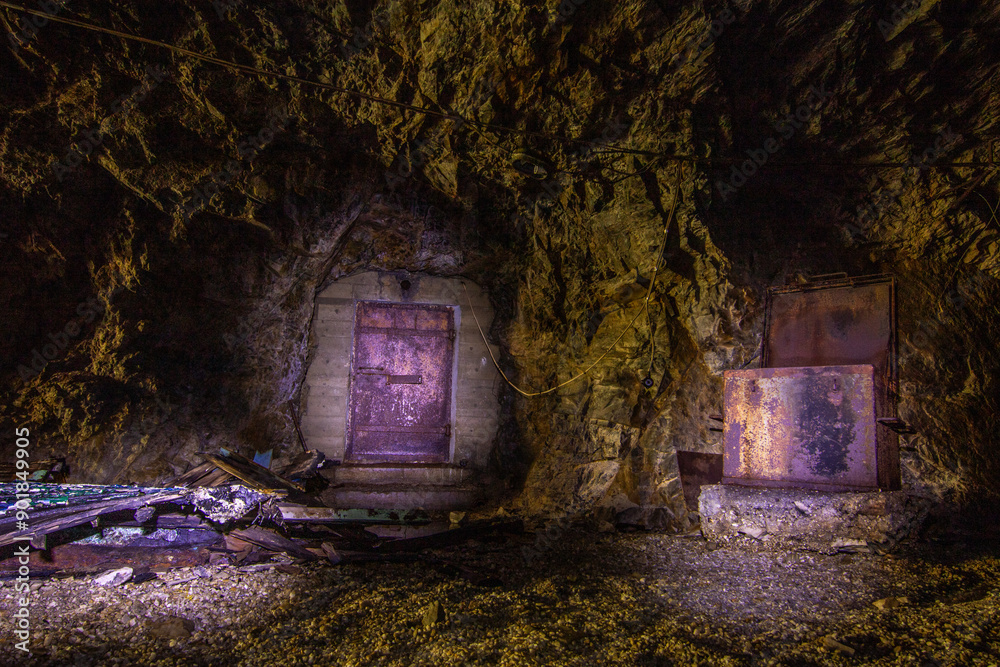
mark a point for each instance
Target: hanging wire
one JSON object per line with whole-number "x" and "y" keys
{"x": 644, "y": 309}
{"x": 482, "y": 126}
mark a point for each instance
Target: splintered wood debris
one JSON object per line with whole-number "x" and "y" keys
{"x": 228, "y": 509}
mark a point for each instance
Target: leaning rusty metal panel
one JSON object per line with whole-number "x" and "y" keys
{"x": 807, "y": 427}
{"x": 401, "y": 383}
{"x": 831, "y": 324}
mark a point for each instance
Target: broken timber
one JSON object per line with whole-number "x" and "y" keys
{"x": 268, "y": 539}
{"x": 255, "y": 476}
{"x": 87, "y": 515}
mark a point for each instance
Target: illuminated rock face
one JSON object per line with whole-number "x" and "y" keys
{"x": 159, "y": 284}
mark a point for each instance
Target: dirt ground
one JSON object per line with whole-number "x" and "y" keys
{"x": 586, "y": 599}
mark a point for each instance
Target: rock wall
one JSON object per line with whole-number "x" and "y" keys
{"x": 180, "y": 217}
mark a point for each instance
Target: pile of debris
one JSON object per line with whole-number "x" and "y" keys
{"x": 228, "y": 509}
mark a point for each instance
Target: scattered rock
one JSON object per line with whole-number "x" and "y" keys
{"x": 752, "y": 531}
{"x": 833, "y": 645}
{"x": 456, "y": 518}
{"x": 433, "y": 615}
{"x": 114, "y": 577}
{"x": 144, "y": 514}
{"x": 844, "y": 544}
{"x": 802, "y": 507}
{"x": 618, "y": 502}
{"x": 606, "y": 527}
{"x": 889, "y": 603}
{"x": 171, "y": 627}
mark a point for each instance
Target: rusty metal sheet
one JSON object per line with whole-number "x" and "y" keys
{"x": 835, "y": 323}
{"x": 401, "y": 383}
{"x": 807, "y": 427}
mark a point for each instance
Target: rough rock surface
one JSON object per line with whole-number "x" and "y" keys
{"x": 163, "y": 286}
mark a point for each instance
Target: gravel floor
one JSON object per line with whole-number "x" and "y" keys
{"x": 620, "y": 599}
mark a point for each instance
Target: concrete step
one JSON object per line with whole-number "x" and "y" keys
{"x": 401, "y": 497}
{"x": 441, "y": 475}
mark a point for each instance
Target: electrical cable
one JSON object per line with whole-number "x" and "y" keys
{"x": 644, "y": 309}
{"x": 246, "y": 69}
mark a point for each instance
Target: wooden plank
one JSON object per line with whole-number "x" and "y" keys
{"x": 217, "y": 478}
{"x": 304, "y": 465}
{"x": 8, "y": 524}
{"x": 87, "y": 559}
{"x": 88, "y": 514}
{"x": 337, "y": 556}
{"x": 252, "y": 474}
{"x": 272, "y": 540}
{"x": 194, "y": 474}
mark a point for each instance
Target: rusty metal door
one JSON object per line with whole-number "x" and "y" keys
{"x": 401, "y": 383}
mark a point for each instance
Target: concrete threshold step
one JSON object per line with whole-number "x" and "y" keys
{"x": 397, "y": 474}
{"x": 401, "y": 496}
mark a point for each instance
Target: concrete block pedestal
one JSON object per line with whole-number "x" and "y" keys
{"x": 819, "y": 518}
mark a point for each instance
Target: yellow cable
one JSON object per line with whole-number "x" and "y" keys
{"x": 649, "y": 292}
{"x": 475, "y": 123}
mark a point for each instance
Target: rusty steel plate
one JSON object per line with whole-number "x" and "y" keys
{"x": 838, "y": 323}
{"x": 401, "y": 383}
{"x": 807, "y": 427}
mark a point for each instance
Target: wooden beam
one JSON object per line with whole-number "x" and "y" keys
{"x": 272, "y": 540}
{"x": 87, "y": 514}
{"x": 255, "y": 476}
{"x": 193, "y": 475}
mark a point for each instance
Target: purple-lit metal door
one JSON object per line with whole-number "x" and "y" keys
{"x": 401, "y": 383}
